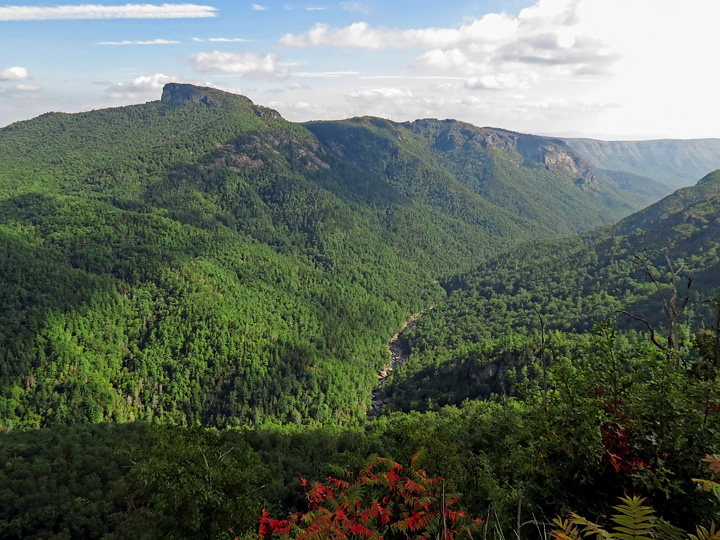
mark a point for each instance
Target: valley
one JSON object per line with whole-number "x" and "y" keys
{"x": 203, "y": 303}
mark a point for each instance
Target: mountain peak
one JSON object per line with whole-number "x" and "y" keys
{"x": 180, "y": 94}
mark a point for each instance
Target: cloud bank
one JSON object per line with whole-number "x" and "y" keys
{"x": 139, "y": 85}
{"x": 244, "y": 65}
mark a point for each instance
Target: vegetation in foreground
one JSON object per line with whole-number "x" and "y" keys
{"x": 222, "y": 267}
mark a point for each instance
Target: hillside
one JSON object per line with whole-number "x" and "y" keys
{"x": 567, "y": 285}
{"x": 198, "y": 263}
{"x": 199, "y": 258}
{"x": 673, "y": 162}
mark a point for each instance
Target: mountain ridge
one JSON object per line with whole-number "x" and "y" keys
{"x": 244, "y": 264}
{"x": 674, "y": 162}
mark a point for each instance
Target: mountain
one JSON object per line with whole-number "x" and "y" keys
{"x": 673, "y": 162}
{"x": 465, "y": 347}
{"x": 201, "y": 259}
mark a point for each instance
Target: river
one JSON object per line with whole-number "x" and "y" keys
{"x": 399, "y": 354}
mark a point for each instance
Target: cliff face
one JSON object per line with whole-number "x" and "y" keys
{"x": 180, "y": 94}
{"x": 552, "y": 154}
{"x": 177, "y": 94}
{"x": 559, "y": 159}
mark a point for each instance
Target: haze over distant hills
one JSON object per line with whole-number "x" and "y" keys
{"x": 674, "y": 162}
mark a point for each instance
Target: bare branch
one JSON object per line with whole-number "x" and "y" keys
{"x": 643, "y": 320}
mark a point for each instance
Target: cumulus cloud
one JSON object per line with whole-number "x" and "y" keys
{"x": 547, "y": 35}
{"x": 15, "y": 73}
{"x": 94, "y": 11}
{"x": 140, "y": 85}
{"x": 258, "y": 7}
{"x": 245, "y": 65}
{"x": 502, "y": 81}
{"x": 490, "y": 28}
{"x": 150, "y": 42}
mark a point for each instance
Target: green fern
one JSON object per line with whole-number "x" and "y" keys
{"x": 634, "y": 521}
{"x": 705, "y": 534}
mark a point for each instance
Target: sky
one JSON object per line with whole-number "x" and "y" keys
{"x": 608, "y": 69}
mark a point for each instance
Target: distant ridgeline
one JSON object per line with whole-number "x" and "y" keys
{"x": 665, "y": 164}
{"x": 199, "y": 258}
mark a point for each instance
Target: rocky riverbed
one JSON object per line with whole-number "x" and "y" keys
{"x": 399, "y": 354}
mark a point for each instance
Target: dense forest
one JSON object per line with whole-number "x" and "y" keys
{"x": 197, "y": 297}
{"x": 201, "y": 259}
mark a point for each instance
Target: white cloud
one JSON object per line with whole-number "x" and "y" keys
{"x": 387, "y": 93}
{"x": 315, "y": 9}
{"x": 28, "y": 87}
{"x": 502, "y": 81}
{"x": 15, "y": 73}
{"x": 139, "y": 85}
{"x": 414, "y": 77}
{"x": 355, "y": 7}
{"x": 246, "y": 65}
{"x": 228, "y": 40}
{"x": 94, "y": 11}
{"x": 548, "y": 35}
{"x": 198, "y": 39}
{"x": 258, "y": 7}
{"x": 324, "y": 73}
{"x": 150, "y": 42}
{"x": 492, "y": 27}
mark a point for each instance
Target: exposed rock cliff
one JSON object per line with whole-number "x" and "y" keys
{"x": 180, "y": 94}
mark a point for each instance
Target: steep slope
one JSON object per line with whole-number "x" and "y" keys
{"x": 201, "y": 259}
{"x": 512, "y": 180}
{"x": 676, "y": 163}
{"x": 567, "y": 285}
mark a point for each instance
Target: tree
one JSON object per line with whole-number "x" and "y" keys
{"x": 380, "y": 501}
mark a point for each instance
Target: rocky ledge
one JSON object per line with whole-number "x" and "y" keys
{"x": 180, "y": 94}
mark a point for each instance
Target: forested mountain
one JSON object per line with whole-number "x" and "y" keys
{"x": 568, "y": 285}
{"x": 675, "y": 163}
{"x": 199, "y": 258}
{"x": 199, "y": 262}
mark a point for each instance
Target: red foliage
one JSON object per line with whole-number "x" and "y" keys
{"x": 376, "y": 505}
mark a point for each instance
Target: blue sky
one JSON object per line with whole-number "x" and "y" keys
{"x": 613, "y": 69}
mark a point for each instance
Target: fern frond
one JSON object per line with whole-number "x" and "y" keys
{"x": 590, "y": 528}
{"x": 705, "y": 534}
{"x": 566, "y": 530}
{"x": 667, "y": 531}
{"x": 635, "y": 520}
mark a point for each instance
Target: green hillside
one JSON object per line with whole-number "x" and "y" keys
{"x": 199, "y": 258}
{"x": 196, "y": 297}
{"x": 567, "y": 285}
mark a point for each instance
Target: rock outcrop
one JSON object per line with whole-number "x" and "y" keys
{"x": 180, "y": 94}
